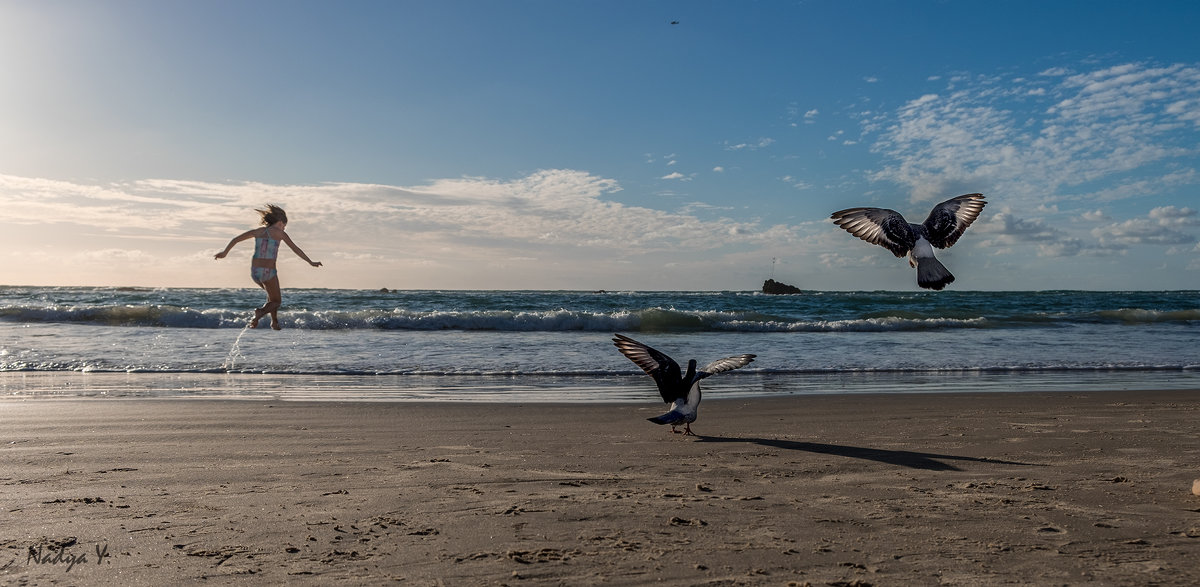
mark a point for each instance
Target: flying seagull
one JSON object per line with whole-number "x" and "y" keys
{"x": 887, "y": 228}
{"x": 676, "y": 387}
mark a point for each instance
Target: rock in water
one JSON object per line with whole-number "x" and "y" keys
{"x": 773, "y": 287}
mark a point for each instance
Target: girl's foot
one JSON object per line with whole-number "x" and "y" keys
{"x": 258, "y": 314}
{"x": 275, "y": 322}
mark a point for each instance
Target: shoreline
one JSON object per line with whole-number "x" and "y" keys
{"x": 984, "y": 488}
{"x": 552, "y": 388}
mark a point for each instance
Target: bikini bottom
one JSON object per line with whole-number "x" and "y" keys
{"x": 261, "y": 275}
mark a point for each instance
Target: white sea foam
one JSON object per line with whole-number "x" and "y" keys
{"x": 566, "y": 334}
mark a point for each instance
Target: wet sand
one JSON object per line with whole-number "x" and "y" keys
{"x": 962, "y": 489}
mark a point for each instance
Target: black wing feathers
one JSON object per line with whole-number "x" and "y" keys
{"x": 672, "y": 384}
{"x": 948, "y": 220}
{"x": 887, "y": 228}
{"x": 878, "y": 226}
{"x": 663, "y": 369}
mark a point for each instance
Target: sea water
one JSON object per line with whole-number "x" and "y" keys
{"x": 556, "y": 345}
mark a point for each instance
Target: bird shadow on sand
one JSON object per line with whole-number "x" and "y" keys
{"x": 902, "y": 458}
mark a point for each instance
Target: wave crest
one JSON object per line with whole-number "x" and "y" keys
{"x": 652, "y": 319}
{"x": 557, "y": 320}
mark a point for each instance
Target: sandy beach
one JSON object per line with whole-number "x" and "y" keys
{"x": 960, "y": 489}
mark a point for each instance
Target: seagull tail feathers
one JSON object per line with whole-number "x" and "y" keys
{"x": 668, "y": 418}
{"x": 931, "y": 274}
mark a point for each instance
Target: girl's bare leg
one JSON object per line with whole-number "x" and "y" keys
{"x": 258, "y": 312}
{"x": 274, "y": 300}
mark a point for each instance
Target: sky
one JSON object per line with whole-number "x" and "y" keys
{"x": 591, "y": 144}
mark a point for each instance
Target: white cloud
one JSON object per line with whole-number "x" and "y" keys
{"x": 840, "y": 261}
{"x": 1141, "y": 231}
{"x": 673, "y": 175}
{"x": 760, "y": 144}
{"x": 470, "y": 223}
{"x": 1010, "y": 229}
{"x": 719, "y": 169}
{"x": 359, "y": 256}
{"x": 1055, "y": 72}
{"x": 122, "y": 256}
{"x": 1006, "y": 231}
{"x": 1187, "y": 109}
{"x": 796, "y": 183}
{"x": 1163, "y": 225}
{"x": 1029, "y": 140}
{"x": 1174, "y": 216}
{"x": 1142, "y": 186}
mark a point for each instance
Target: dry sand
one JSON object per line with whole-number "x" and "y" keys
{"x": 1026, "y": 488}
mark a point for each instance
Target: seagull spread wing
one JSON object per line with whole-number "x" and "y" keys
{"x": 878, "y": 226}
{"x": 662, "y": 368}
{"x": 726, "y": 364}
{"x": 951, "y": 218}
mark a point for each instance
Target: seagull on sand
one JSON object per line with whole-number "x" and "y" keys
{"x": 887, "y": 228}
{"x": 682, "y": 389}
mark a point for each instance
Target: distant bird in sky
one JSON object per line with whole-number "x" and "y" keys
{"x": 887, "y": 228}
{"x": 683, "y": 390}
{"x": 674, "y": 22}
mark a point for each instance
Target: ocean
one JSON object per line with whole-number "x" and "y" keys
{"x": 526, "y": 346}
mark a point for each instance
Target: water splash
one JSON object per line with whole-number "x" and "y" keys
{"x": 235, "y": 351}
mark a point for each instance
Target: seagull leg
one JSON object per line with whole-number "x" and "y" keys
{"x": 687, "y": 430}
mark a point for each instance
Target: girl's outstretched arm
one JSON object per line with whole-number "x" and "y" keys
{"x": 237, "y": 239}
{"x": 295, "y": 249}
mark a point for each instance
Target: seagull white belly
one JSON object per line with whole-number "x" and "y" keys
{"x": 686, "y": 412}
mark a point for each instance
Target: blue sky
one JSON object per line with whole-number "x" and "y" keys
{"x": 595, "y": 145}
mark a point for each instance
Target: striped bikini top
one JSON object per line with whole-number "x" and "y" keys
{"x": 266, "y": 247}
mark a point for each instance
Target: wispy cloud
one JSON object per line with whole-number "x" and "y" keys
{"x": 1141, "y": 231}
{"x": 1033, "y": 138}
{"x": 1162, "y": 226}
{"x": 467, "y": 223}
{"x": 1050, "y": 148}
{"x": 1004, "y": 230}
{"x": 761, "y": 143}
{"x": 796, "y": 183}
{"x": 1175, "y": 216}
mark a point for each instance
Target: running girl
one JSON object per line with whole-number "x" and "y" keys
{"x": 262, "y": 265}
